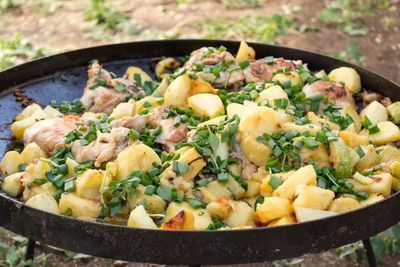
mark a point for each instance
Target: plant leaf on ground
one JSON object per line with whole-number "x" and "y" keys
{"x": 227, "y": 3}
{"x": 387, "y": 242}
{"x": 15, "y": 254}
{"x": 16, "y": 50}
{"x": 70, "y": 254}
{"x": 251, "y": 27}
{"x": 104, "y": 17}
{"x": 346, "y": 14}
{"x": 352, "y": 53}
{"x": 239, "y": 3}
{"x": 7, "y": 4}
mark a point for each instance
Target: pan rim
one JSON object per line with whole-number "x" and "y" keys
{"x": 21, "y": 205}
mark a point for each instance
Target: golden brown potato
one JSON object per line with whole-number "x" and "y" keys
{"x": 140, "y": 219}
{"x": 206, "y": 105}
{"x": 135, "y": 157}
{"x": 44, "y": 202}
{"x": 245, "y": 52}
{"x": 32, "y": 151}
{"x": 273, "y": 208}
{"x": 12, "y": 184}
{"x": 81, "y": 207}
{"x": 348, "y": 76}
{"x": 305, "y": 175}
{"x": 10, "y": 162}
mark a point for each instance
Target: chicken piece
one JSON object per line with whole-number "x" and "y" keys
{"x": 104, "y": 98}
{"x": 170, "y": 135}
{"x": 137, "y": 122}
{"x": 96, "y": 71}
{"x": 101, "y": 99}
{"x": 105, "y": 148}
{"x": 334, "y": 91}
{"x": 247, "y": 167}
{"x": 371, "y": 97}
{"x": 211, "y": 56}
{"x": 259, "y": 71}
{"x": 130, "y": 86}
{"x": 49, "y": 133}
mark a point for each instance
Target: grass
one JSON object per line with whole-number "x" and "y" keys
{"x": 252, "y": 27}
{"x": 7, "y": 4}
{"x": 13, "y": 255}
{"x": 387, "y": 242}
{"x": 16, "y": 50}
{"x": 346, "y": 14}
{"x": 227, "y": 3}
{"x": 352, "y": 53}
{"x": 105, "y": 20}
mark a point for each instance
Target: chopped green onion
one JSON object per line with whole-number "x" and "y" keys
{"x": 119, "y": 87}
{"x": 223, "y": 177}
{"x": 275, "y": 182}
{"x": 38, "y": 181}
{"x": 150, "y": 190}
{"x": 310, "y": 142}
{"x": 269, "y": 60}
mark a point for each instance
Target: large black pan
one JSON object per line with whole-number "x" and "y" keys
{"x": 41, "y": 80}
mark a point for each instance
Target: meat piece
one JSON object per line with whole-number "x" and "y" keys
{"x": 101, "y": 99}
{"x": 259, "y": 71}
{"x": 130, "y": 86}
{"x": 104, "y": 98}
{"x": 248, "y": 168}
{"x": 234, "y": 78}
{"x": 96, "y": 71}
{"x": 49, "y": 133}
{"x": 105, "y": 148}
{"x": 170, "y": 135}
{"x": 137, "y": 122}
{"x": 334, "y": 91}
{"x": 212, "y": 56}
{"x": 370, "y": 97}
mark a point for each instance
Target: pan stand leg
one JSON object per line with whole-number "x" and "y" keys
{"x": 30, "y": 250}
{"x": 370, "y": 252}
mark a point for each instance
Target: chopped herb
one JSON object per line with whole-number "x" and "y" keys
{"x": 360, "y": 151}
{"x": 269, "y": 60}
{"x": 22, "y": 167}
{"x": 275, "y": 182}
{"x": 164, "y": 192}
{"x": 119, "y": 87}
{"x": 38, "y": 181}
{"x": 203, "y": 182}
{"x": 67, "y": 212}
{"x": 216, "y": 223}
{"x": 150, "y": 190}
{"x": 195, "y": 203}
{"x": 244, "y": 64}
{"x": 179, "y": 167}
{"x": 310, "y": 142}
{"x": 374, "y": 129}
{"x": 63, "y": 78}
{"x": 223, "y": 177}
{"x": 193, "y": 76}
{"x": 259, "y": 200}
{"x": 100, "y": 82}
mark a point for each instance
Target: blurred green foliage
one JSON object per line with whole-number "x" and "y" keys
{"x": 15, "y": 50}
{"x": 251, "y": 27}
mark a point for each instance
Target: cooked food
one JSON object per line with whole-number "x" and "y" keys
{"x": 219, "y": 141}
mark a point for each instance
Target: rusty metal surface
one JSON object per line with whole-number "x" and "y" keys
{"x": 41, "y": 81}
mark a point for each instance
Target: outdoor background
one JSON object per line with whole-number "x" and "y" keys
{"x": 365, "y": 32}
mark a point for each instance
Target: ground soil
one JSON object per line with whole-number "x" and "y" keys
{"x": 60, "y": 26}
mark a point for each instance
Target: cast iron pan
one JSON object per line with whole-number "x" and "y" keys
{"x": 41, "y": 80}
